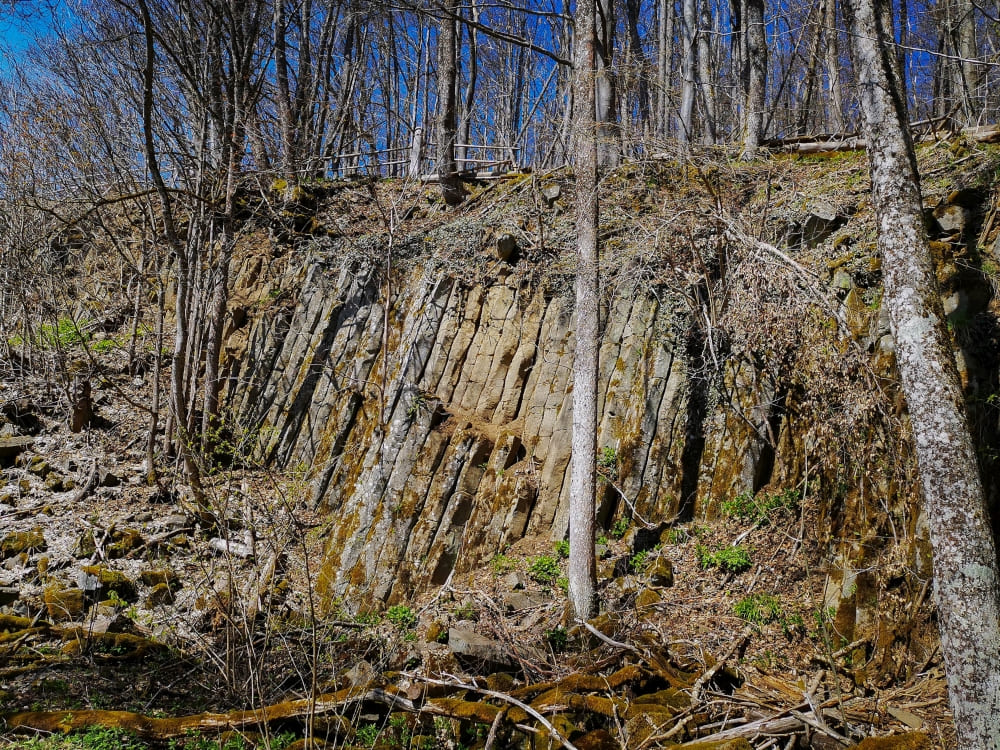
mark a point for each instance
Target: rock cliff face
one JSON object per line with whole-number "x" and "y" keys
{"x": 432, "y": 415}
{"x": 443, "y": 439}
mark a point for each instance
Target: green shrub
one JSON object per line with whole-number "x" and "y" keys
{"x": 759, "y": 609}
{"x": 401, "y": 616}
{"x": 367, "y": 735}
{"x": 620, "y": 528}
{"x": 544, "y": 569}
{"x": 502, "y": 563}
{"x": 562, "y": 548}
{"x": 638, "y": 562}
{"x": 730, "y": 559}
{"x": 557, "y": 639}
{"x": 759, "y": 508}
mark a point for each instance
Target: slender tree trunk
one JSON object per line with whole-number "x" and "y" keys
{"x": 469, "y": 100}
{"x": 756, "y": 78}
{"x": 180, "y": 250}
{"x": 284, "y": 98}
{"x": 608, "y": 141}
{"x": 689, "y": 22}
{"x": 835, "y": 103}
{"x": 665, "y": 53}
{"x": 154, "y": 409}
{"x": 963, "y": 34}
{"x": 583, "y": 477}
{"x": 632, "y": 10}
{"x": 447, "y": 107}
{"x": 705, "y": 77}
{"x": 966, "y": 586}
{"x": 805, "y": 112}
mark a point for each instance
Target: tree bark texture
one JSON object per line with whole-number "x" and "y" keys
{"x": 705, "y": 82}
{"x": 965, "y": 565}
{"x": 447, "y": 107}
{"x": 835, "y": 104}
{"x": 583, "y": 480}
{"x": 756, "y": 77}
{"x": 604, "y": 85}
{"x": 689, "y": 22}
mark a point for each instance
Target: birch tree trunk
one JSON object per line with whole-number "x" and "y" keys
{"x": 966, "y": 587}
{"x": 583, "y": 477}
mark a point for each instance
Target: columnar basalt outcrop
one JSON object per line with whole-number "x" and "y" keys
{"x": 442, "y": 439}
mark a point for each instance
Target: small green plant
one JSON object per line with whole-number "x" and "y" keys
{"x": 367, "y": 618}
{"x": 401, "y": 728}
{"x": 607, "y": 463}
{"x": 418, "y": 403}
{"x": 105, "y": 345}
{"x": 759, "y": 509}
{"x": 557, "y": 639}
{"x": 563, "y": 583}
{"x": 502, "y": 563}
{"x": 734, "y": 559}
{"x": 759, "y": 609}
{"x": 620, "y": 528}
{"x": 742, "y": 506}
{"x": 823, "y": 617}
{"x": 401, "y": 616}
{"x": 602, "y": 540}
{"x": 562, "y": 548}
{"x": 65, "y": 332}
{"x": 544, "y": 569}
{"x": 467, "y": 611}
{"x": 115, "y": 600}
{"x": 638, "y": 562}
{"x": 793, "y": 623}
{"x": 367, "y": 735}
{"x": 677, "y": 535}
{"x": 104, "y": 738}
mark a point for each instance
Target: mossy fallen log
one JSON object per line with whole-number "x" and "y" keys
{"x": 162, "y": 729}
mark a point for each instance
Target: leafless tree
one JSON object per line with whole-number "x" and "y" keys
{"x": 966, "y": 581}
{"x": 583, "y": 479}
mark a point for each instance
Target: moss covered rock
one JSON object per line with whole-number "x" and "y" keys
{"x": 22, "y": 541}
{"x": 110, "y": 581}
{"x": 63, "y": 603}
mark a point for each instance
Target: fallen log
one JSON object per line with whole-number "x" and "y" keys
{"x": 158, "y": 729}
{"x": 164, "y": 729}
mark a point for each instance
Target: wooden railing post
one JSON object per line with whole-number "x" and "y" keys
{"x": 416, "y": 153}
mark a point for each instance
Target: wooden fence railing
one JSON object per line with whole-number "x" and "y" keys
{"x": 491, "y": 160}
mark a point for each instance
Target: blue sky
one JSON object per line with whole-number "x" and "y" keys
{"x": 18, "y": 29}
{"x": 14, "y": 39}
